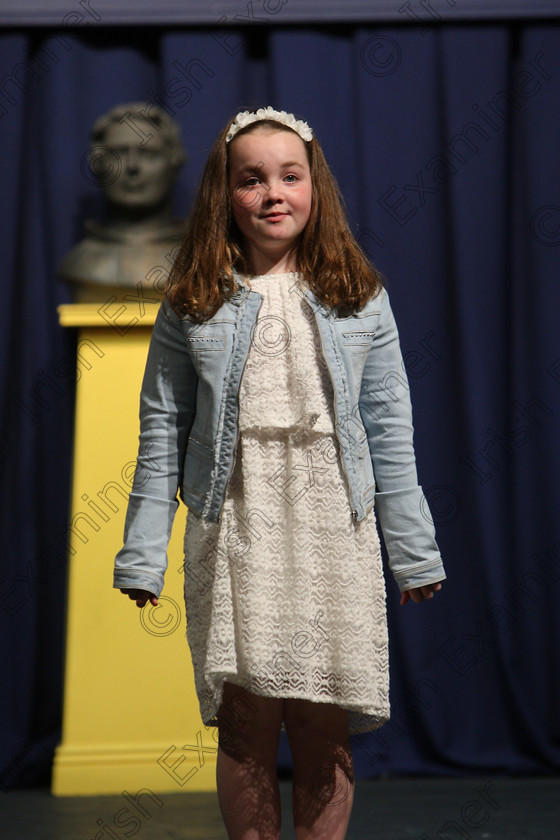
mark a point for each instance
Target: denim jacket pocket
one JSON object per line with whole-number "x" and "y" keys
{"x": 358, "y": 338}
{"x": 357, "y": 333}
{"x": 203, "y": 343}
{"x": 209, "y": 350}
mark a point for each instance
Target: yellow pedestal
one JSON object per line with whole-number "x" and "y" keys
{"x": 131, "y": 715}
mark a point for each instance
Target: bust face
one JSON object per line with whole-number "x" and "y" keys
{"x": 147, "y": 171}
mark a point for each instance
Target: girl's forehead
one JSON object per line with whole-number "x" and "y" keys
{"x": 267, "y": 145}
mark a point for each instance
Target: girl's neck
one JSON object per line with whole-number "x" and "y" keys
{"x": 261, "y": 263}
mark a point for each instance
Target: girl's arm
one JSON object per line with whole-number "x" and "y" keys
{"x": 167, "y": 409}
{"x": 401, "y": 507}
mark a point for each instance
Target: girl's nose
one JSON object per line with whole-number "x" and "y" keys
{"x": 274, "y": 191}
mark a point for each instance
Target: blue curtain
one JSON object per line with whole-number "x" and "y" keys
{"x": 444, "y": 140}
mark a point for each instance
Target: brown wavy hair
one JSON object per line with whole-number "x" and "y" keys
{"x": 332, "y": 263}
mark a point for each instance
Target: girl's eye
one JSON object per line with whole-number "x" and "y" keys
{"x": 251, "y": 182}
{"x": 291, "y": 178}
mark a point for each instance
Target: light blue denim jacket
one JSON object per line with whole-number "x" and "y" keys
{"x": 189, "y": 430}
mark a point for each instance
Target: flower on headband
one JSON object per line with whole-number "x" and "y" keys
{"x": 245, "y": 118}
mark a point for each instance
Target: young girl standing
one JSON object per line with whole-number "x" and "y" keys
{"x": 274, "y": 402}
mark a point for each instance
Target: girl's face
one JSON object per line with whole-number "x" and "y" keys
{"x": 270, "y": 189}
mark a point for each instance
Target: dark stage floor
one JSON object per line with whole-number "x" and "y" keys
{"x": 394, "y": 809}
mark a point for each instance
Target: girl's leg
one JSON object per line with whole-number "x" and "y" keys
{"x": 323, "y": 775}
{"x": 248, "y": 793}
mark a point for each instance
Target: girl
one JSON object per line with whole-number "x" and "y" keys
{"x": 274, "y": 401}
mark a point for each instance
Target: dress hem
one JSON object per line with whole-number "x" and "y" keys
{"x": 376, "y": 719}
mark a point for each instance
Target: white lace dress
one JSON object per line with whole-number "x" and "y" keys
{"x": 285, "y": 594}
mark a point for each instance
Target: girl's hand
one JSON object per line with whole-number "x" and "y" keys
{"x": 141, "y": 596}
{"x": 420, "y": 593}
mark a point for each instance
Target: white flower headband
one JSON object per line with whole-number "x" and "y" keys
{"x": 245, "y": 118}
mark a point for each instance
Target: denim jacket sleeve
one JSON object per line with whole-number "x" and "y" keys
{"x": 167, "y": 408}
{"x": 401, "y": 507}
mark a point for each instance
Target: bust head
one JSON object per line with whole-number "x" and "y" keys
{"x": 136, "y": 151}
